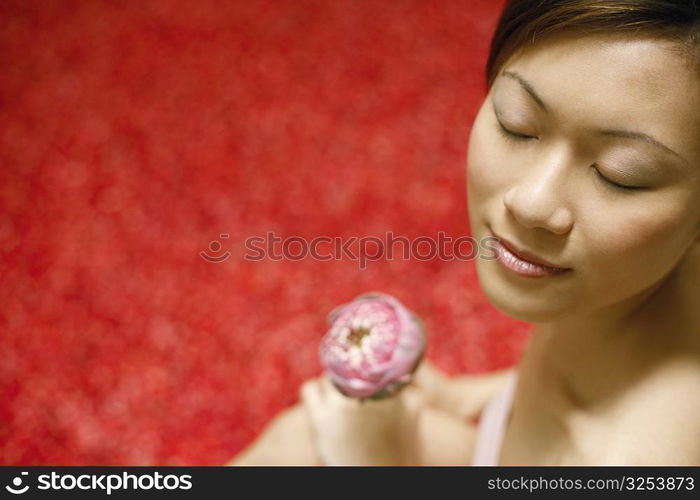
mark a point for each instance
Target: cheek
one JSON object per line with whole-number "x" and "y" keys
{"x": 484, "y": 161}
{"x": 635, "y": 243}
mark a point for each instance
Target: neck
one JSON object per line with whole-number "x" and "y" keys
{"x": 582, "y": 361}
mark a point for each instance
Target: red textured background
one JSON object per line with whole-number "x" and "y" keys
{"x": 132, "y": 134}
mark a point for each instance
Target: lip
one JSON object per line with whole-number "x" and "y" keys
{"x": 526, "y": 255}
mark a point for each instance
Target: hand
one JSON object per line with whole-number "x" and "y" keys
{"x": 426, "y": 422}
{"x": 348, "y": 431}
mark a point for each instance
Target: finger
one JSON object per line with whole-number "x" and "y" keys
{"x": 311, "y": 394}
{"x": 334, "y": 397}
{"x": 327, "y": 385}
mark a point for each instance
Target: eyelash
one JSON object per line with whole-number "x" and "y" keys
{"x": 615, "y": 185}
{"x": 512, "y": 136}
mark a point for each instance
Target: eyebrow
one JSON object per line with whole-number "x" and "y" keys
{"x": 625, "y": 134}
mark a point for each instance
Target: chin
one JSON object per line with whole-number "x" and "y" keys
{"x": 519, "y": 304}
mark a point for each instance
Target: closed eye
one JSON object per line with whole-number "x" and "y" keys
{"x": 512, "y": 136}
{"x": 615, "y": 185}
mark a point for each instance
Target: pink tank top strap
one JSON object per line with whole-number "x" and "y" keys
{"x": 492, "y": 425}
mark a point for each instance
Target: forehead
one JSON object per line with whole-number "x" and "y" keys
{"x": 613, "y": 81}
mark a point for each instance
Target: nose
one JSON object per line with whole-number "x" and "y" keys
{"x": 539, "y": 200}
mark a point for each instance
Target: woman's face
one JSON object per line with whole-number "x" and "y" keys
{"x": 551, "y": 194}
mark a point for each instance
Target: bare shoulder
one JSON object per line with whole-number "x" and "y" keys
{"x": 444, "y": 439}
{"x": 657, "y": 418}
{"x": 287, "y": 440}
{"x": 446, "y": 435}
{"x": 463, "y": 395}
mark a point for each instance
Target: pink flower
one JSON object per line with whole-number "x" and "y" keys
{"x": 373, "y": 346}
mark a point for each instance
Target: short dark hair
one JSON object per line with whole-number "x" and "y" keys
{"x": 524, "y": 22}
